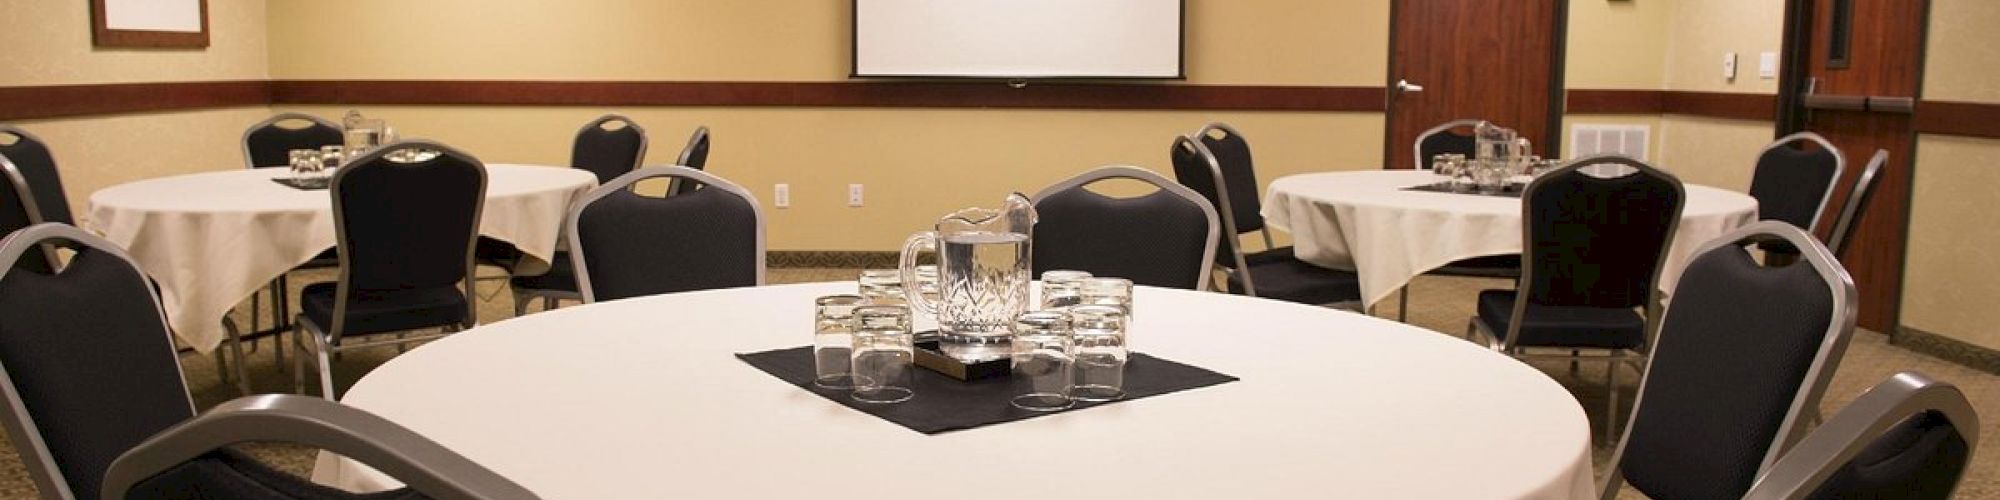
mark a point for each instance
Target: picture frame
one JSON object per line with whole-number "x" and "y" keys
{"x": 149, "y": 23}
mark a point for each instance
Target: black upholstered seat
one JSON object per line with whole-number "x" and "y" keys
{"x": 1792, "y": 183}
{"x": 561, "y": 277}
{"x": 628, "y": 244}
{"x": 374, "y": 311}
{"x": 1743, "y": 355}
{"x": 89, "y": 356}
{"x": 1563, "y": 326}
{"x": 1216, "y": 163}
{"x": 1165, "y": 238}
{"x": 1294, "y": 280}
{"x": 269, "y": 143}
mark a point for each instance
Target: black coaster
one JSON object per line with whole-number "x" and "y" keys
{"x": 943, "y": 404}
{"x": 1512, "y": 190}
{"x": 314, "y": 184}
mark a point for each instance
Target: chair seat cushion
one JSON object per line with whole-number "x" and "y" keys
{"x": 1490, "y": 266}
{"x": 1547, "y": 326}
{"x": 228, "y": 473}
{"x": 1294, "y": 280}
{"x": 371, "y": 311}
{"x": 1273, "y": 255}
{"x": 560, "y": 278}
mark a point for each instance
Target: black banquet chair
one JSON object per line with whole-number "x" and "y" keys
{"x": 627, "y": 244}
{"x": 192, "y": 460}
{"x": 694, "y": 155}
{"x": 87, "y": 362}
{"x": 1165, "y": 238}
{"x": 406, "y": 217}
{"x": 1275, "y": 274}
{"x": 1908, "y": 437}
{"x": 1793, "y": 184}
{"x": 1446, "y": 138}
{"x": 34, "y": 191}
{"x": 269, "y": 143}
{"x": 1743, "y": 355}
{"x": 1595, "y": 249}
{"x": 609, "y": 146}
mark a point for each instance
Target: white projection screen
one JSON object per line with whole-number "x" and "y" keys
{"x": 1018, "y": 38}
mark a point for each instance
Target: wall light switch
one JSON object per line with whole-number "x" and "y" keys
{"x": 853, "y": 195}
{"x": 1729, "y": 65}
{"x": 1767, "y": 65}
{"x": 782, "y": 196}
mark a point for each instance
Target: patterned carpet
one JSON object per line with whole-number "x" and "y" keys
{"x": 1441, "y": 304}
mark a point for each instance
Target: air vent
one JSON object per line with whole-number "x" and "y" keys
{"x": 1628, "y": 140}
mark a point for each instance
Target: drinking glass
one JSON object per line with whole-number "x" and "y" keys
{"x": 883, "y": 349}
{"x": 1042, "y": 356}
{"x": 332, "y": 157}
{"x": 1100, "y": 357}
{"x": 1491, "y": 176}
{"x": 1116, "y": 292}
{"x": 1062, "y": 288}
{"x": 303, "y": 161}
{"x": 833, "y": 340}
{"x": 882, "y": 287}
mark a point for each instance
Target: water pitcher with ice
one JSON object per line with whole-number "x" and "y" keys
{"x": 982, "y": 277}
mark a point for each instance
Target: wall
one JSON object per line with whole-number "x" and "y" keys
{"x": 1711, "y": 151}
{"x": 1615, "y": 45}
{"x": 48, "y": 43}
{"x": 916, "y": 163}
{"x": 1949, "y": 283}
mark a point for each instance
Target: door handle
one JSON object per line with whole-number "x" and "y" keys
{"x": 1404, "y": 86}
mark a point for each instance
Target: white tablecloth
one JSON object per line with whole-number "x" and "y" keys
{"x": 212, "y": 239}
{"x": 1365, "y": 221}
{"x": 643, "y": 398}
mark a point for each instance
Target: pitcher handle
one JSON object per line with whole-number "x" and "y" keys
{"x": 912, "y": 288}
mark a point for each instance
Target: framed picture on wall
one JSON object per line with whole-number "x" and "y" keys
{"x": 149, "y": 23}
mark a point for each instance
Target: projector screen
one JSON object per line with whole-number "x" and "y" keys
{"x": 1018, "y": 38}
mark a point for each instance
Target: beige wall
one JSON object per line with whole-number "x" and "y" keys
{"x": 1949, "y": 283}
{"x": 916, "y": 164}
{"x": 1617, "y": 45}
{"x": 48, "y": 43}
{"x": 1711, "y": 151}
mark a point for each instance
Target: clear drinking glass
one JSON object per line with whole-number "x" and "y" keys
{"x": 1100, "y": 354}
{"x": 883, "y": 349}
{"x": 882, "y": 287}
{"x": 1062, "y": 288}
{"x": 833, "y": 340}
{"x": 332, "y": 157}
{"x": 1042, "y": 346}
{"x": 1116, "y": 292}
{"x": 303, "y": 161}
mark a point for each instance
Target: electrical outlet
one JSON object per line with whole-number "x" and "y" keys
{"x": 853, "y": 195}
{"x": 782, "y": 196}
{"x": 1767, "y": 65}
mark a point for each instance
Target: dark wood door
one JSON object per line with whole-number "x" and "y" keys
{"x": 1863, "y": 60}
{"x": 1496, "y": 60}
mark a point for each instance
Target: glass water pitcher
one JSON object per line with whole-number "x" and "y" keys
{"x": 983, "y": 276}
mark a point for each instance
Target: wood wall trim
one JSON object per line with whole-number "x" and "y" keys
{"x": 830, "y": 94}
{"x": 1971, "y": 119}
{"x": 1727, "y": 105}
{"x": 59, "y": 101}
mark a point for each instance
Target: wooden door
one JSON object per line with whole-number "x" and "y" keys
{"x": 1862, "y": 60}
{"x": 1498, "y": 60}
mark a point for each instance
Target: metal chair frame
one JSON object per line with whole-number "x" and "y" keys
{"x": 623, "y": 182}
{"x": 50, "y": 479}
{"x": 695, "y": 140}
{"x": 1857, "y": 201}
{"x": 1832, "y": 345}
{"x": 326, "y": 339}
{"x": 1831, "y": 446}
{"x": 1417, "y": 150}
{"x": 1162, "y": 183}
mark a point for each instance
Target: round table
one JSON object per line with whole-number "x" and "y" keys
{"x": 1367, "y": 222}
{"x": 211, "y": 239}
{"x": 643, "y": 398}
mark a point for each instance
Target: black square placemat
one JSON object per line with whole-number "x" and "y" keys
{"x": 1512, "y": 190}
{"x": 943, "y": 404}
{"x": 314, "y": 184}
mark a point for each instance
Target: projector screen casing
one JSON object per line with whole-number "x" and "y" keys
{"x": 971, "y": 70}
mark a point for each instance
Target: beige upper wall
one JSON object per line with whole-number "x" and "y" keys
{"x": 1267, "y": 42}
{"x": 1949, "y": 210}
{"x": 1701, "y": 31}
{"x": 47, "y": 42}
{"x": 1962, "y": 62}
{"x": 1616, "y": 45}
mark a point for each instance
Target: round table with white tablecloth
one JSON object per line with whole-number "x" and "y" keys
{"x": 212, "y": 239}
{"x": 1366, "y": 221}
{"x": 643, "y": 398}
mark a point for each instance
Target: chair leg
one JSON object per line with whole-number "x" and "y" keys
{"x": 1403, "y": 304}
{"x": 298, "y": 359}
{"x": 1611, "y": 408}
{"x": 550, "y": 303}
{"x": 520, "y": 305}
{"x": 326, "y": 375}
{"x": 236, "y": 349}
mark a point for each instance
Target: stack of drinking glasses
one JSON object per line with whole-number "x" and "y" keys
{"x": 1074, "y": 348}
{"x": 864, "y": 342}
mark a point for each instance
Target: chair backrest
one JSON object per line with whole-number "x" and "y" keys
{"x": 625, "y": 244}
{"x": 694, "y": 155}
{"x": 1597, "y": 241}
{"x": 1908, "y": 437}
{"x": 18, "y": 211}
{"x": 1445, "y": 138}
{"x": 406, "y": 225}
{"x": 192, "y": 456}
{"x": 1742, "y": 357}
{"x": 1857, "y": 204}
{"x": 1230, "y": 186}
{"x": 609, "y": 146}
{"x": 1793, "y": 184}
{"x": 269, "y": 143}
{"x": 1165, "y": 238}
{"x": 36, "y": 166}
{"x": 86, "y": 360}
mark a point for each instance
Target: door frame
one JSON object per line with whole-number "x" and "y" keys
{"x": 1558, "y": 90}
